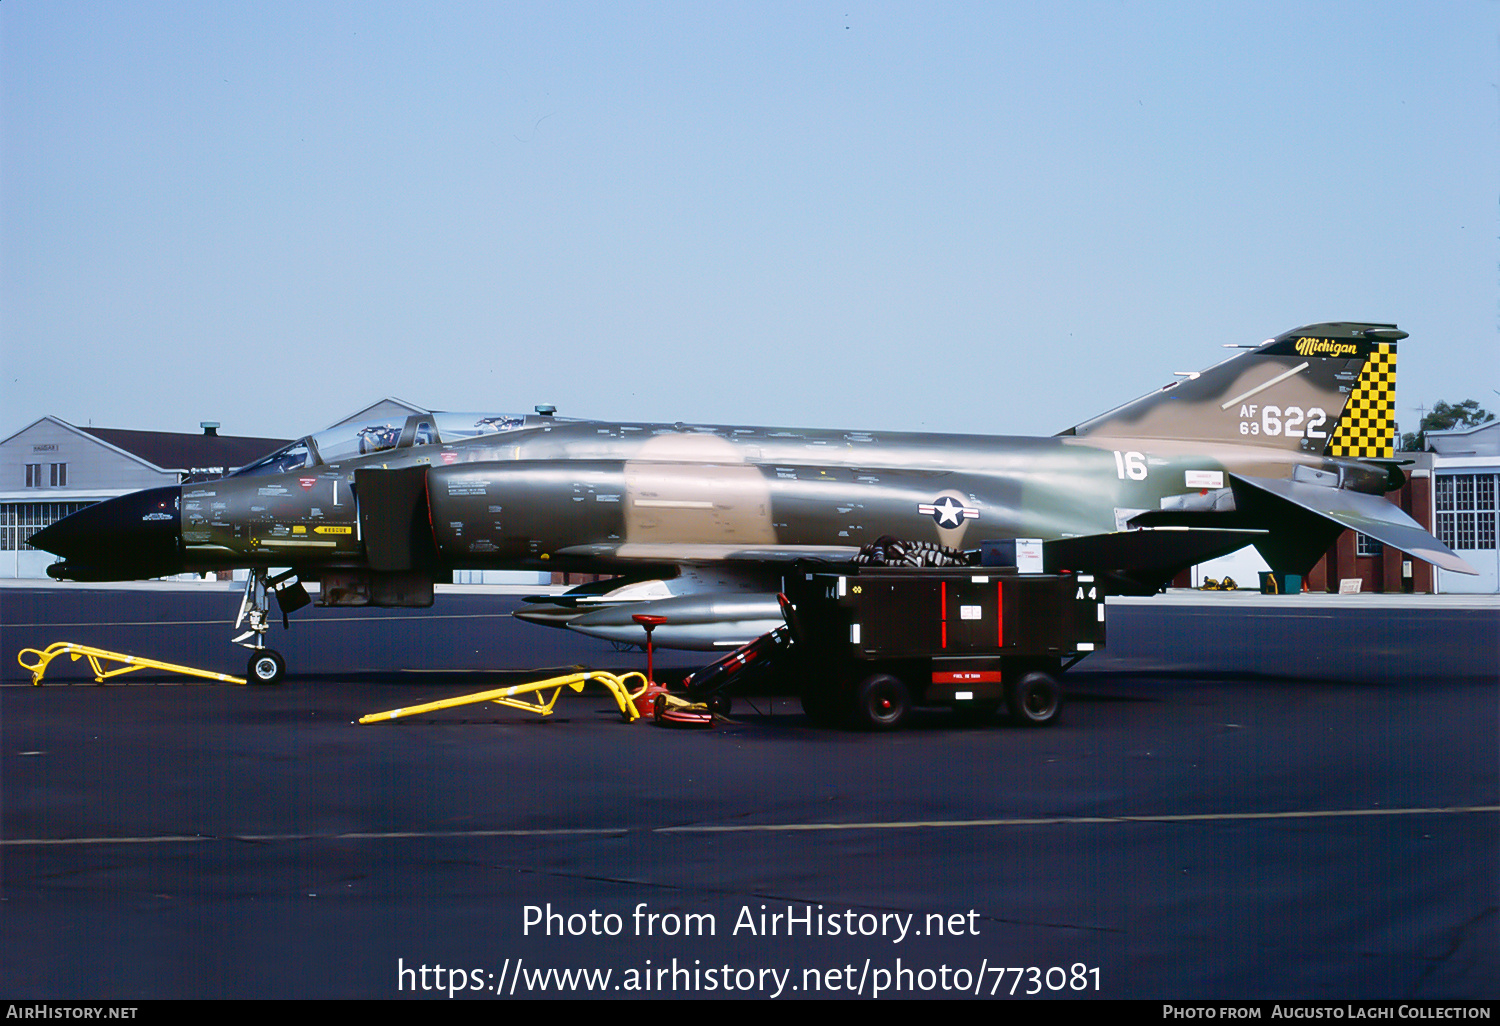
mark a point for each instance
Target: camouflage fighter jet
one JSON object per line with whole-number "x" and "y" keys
{"x": 1283, "y": 445}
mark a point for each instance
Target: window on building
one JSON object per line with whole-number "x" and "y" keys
{"x": 33, "y": 475}
{"x": 1484, "y": 511}
{"x": 1442, "y": 501}
{"x": 59, "y": 475}
{"x": 1364, "y": 545}
{"x": 1484, "y": 491}
{"x": 1466, "y": 510}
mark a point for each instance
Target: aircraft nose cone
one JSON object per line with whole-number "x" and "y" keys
{"x": 136, "y": 535}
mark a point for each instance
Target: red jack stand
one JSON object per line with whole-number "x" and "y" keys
{"x": 653, "y": 700}
{"x": 645, "y": 701}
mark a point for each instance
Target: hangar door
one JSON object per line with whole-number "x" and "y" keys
{"x": 1466, "y": 512}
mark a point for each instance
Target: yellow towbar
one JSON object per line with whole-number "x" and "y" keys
{"x": 616, "y": 685}
{"x": 94, "y": 655}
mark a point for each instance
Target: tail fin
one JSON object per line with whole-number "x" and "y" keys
{"x": 1328, "y": 389}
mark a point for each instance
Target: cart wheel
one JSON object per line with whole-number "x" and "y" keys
{"x": 1034, "y": 700}
{"x": 820, "y": 704}
{"x": 266, "y": 667}
{"x": 881, "y": 702}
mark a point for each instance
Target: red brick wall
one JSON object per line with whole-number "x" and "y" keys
{"x": 1383, "y": 572}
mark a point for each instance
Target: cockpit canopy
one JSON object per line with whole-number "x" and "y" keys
{"x": 362, "y": 438}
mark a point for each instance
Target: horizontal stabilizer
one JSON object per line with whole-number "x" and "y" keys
{"x": 1150, "y": 555}
{"x": 1370, "y": 515}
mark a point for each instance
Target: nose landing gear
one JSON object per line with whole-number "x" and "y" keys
{"x": 267, "y": 666}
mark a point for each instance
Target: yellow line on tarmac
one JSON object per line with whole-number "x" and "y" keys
{"x": 942, "y": 824}
{"x": 396, "y": 835}
{"x": 160, "y": 839}
{"x": 211, "y": 623}
{"x": 388, "y": 835}
{"x": 1204, "y": 817}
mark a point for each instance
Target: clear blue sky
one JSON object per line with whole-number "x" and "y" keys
{"x": 997, "y": 217}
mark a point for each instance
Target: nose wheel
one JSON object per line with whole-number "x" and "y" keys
{"x": 266, "y": 667}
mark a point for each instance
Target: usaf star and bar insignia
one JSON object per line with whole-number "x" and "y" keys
{"x": 948, "y": 511}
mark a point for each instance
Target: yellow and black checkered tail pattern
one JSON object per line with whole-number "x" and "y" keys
{"x": 1367, "y": 428}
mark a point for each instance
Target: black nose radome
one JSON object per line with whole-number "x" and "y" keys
{"x": 133, "y": 536}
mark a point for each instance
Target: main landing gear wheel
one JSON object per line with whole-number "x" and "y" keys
{"x": 881, "y": 702}
{"x": 1034, "y": 700}
{"x": 266, "y": 667}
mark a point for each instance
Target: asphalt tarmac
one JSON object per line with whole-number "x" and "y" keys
{"x": 1243, "y": 799}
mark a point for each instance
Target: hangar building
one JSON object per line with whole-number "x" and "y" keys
{"x": 51, "y": 468}
{"x": 1465, "y": 487}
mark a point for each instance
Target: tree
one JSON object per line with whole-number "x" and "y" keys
{"x": 1442, "y": 417}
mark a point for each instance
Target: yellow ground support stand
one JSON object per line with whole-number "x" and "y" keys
{"x": 94, "y": 655}
{"x": 616, "y": 686}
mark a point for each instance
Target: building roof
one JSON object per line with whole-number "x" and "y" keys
{"x": 1483, "y": 440}
{"x": 386, "y": 407}
{"x": 202, "y": 453}
{"x": 188, "y": 453}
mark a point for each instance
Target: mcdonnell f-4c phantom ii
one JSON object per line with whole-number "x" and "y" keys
{"x": 1283, "y": 446}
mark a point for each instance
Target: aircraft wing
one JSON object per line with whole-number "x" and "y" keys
{"x": 1370, "y": 515}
